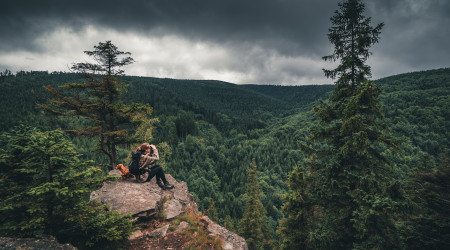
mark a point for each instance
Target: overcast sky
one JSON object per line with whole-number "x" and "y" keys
{"x": 239, "y": 41}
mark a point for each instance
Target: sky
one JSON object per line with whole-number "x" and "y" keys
{"x": 278, "y": 42}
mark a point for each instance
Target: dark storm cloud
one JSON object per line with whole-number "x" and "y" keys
{"x": 416, "y": 33}
{"x": 287, "y": 24}
{"x": 415, "y": 36}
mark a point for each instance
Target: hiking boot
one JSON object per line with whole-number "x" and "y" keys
{"x": 168, "y": 186}
{"x": 159, "y": 183}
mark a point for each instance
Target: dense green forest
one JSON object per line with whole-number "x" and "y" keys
{"x": 210, "y": 131}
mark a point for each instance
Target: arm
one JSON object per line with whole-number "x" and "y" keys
{"x": 155, "y": 156}
{"x": 148, "y": 159}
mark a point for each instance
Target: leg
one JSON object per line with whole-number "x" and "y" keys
{"x": 161, "y": 176}
{"x": 158, "y": 175}
{"x": 151, "y": 172}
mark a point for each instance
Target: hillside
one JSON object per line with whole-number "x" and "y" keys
{"x": 211, "y": 130}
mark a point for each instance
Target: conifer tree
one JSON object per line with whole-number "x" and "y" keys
{"x": 351, "y": 182}
{"x": 212, "y": 211}
{"x": 298, "y": 209}
{"x": 98, "y": 100}
{"x": 352, "y": 36}
{"x": 44, "y": 186}
{"x": 253, "y": 226}
{"x": 229, "y": 223}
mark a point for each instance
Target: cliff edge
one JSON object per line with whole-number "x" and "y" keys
{"x": 166, "y": 218}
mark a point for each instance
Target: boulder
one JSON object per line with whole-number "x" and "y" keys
{"x": 137, "y": 234}
{"x": 139, "y": 199}
{"x": 42, "y": 242}
{"x": 172, "y": 209}
{"x": 160, "y": 232}
{"x": 145, "y": 199}
{"x": 183, "y": 225}
{"x": 231, "y": 241}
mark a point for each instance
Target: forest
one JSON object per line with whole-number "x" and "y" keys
{"x": 356, "y": 164}
{"x": 210, "y": 132}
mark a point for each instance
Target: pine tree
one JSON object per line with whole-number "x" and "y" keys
{"x": 44, "y": 185}
{"x": 229, "y": 223}
{"x": 353, "y": 178}
{"x": 98, "y": 100}
{"x": 352, "y": 36}
{"x": 212, "y": 211}
{"x": 299, "y": 208}
{"x": 351, "y": 181}
{"x": 253, "y": 226}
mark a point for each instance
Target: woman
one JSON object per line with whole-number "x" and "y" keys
{"x": 149, "y": 155}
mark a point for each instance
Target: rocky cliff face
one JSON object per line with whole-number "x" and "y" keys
{"x": 147, "y": 201}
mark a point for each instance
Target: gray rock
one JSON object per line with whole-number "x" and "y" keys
{"x": 139, "y": 199}
{"x": 172, "y": 209}
{"x": 42, "y": 242}
{"x": 137, "y": 234}
{"x": 181, "y": 193}
{"x": 183, "y": 225}
{"x": 231, "y": 241}
{"x": 160, "y": 232}
{"x": 145, "y": 199}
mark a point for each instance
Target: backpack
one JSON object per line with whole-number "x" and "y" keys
{"x": 134, "y": 164}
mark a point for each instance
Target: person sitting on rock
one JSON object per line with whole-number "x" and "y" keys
{"x": 150, "y": 155}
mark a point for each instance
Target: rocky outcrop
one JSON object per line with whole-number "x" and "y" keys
{"x": 231, "y": 241}
{"x": 43, "y": 242}
{"x": 147, "y": 200}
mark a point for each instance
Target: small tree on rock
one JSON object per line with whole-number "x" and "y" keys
{"x": 98, "y": 100}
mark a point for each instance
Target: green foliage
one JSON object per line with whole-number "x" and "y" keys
{"x": 90, "y": 226}
{"x": 229, "y": 224}
{"x": 212, "y": 212}
{"x": 427, "y": 225}
{"x": 415, "y": 105}
{"x": 253, "y": 226}
{"x": 261, "y": 122}
{"x": 44, "y": 186}
{"x": 185, "y": 124}
{"x": 352, "y": 36}
{"x": 107, "y": 60}
{"x": 98, "y": 100}
{"x": 352, "y": 191}
{"x": 299, "y": 209}
{"x": 353, "y": 179}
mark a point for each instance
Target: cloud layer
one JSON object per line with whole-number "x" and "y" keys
{"x": 265, "y": 41}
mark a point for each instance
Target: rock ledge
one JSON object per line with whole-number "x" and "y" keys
{"x": 146, "y": 200}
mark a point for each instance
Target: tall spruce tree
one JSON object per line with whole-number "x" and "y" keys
{"x": 253, "y": 226}
{"x": 351, "y": 181}
{"x": 98, "y": 99}
{"x": 352, "y": 36}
